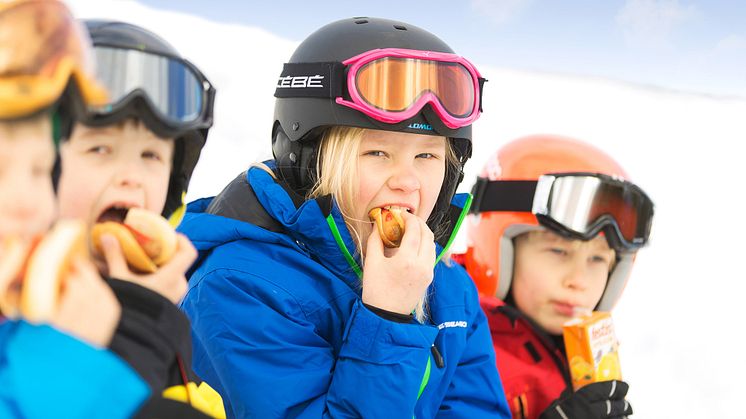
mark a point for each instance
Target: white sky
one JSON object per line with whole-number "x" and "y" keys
{"x": 680, "y": 316}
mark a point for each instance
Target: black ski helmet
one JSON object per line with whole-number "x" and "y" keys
{"x": 300, "y": 121}
{"x": 189, "y": 138}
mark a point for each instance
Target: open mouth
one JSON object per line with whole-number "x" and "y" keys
{"x": 396, "y": 207}
{"x": 387, "y": 212}
{"x": 116, "y": 213}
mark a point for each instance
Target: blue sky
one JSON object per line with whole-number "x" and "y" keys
{"x": 697, "y": 46}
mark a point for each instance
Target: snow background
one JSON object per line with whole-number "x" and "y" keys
{"x": 679, "y": 320}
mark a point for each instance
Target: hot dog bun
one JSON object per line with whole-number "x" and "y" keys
{"x": 32, "y": 272}
{"x": 47, "y": 269}
{"x": 390, "y": 225}
{"x": 147, "y": 239}
{"x": 13, "y": 255}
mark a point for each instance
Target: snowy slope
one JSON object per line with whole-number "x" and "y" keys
{"x": 679, "y": 319}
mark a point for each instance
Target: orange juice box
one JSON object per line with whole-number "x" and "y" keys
{"x": 592, "y": 349}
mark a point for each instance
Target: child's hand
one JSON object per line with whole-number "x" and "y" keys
{"x": 87, "y": 307}
{"x": 169, "y": 280}
{"x": 396, "y": 279}
{"x": 604, "y": 399}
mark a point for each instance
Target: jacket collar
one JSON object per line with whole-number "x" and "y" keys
{"x": 256, "y": 204}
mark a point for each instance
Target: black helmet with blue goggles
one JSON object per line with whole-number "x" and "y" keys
{"x": 148, "y": 80}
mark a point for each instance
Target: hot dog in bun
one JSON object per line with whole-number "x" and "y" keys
{"x": 390, "y": 224}
{"x": 31, "y": 277}
{"x": 147, "y": 239}
{"x": 14, "y": 253}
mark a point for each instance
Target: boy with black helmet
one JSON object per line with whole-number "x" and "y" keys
{"x": 296, "y": 307}
{"x": 138, "y": 151}
{"x": 165, "y": 92}
{"x": 45, "y": 76}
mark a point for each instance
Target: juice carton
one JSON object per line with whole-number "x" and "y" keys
{"x": 592, "y": 349}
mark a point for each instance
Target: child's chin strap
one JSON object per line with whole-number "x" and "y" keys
{"x": 175, "y": 218}
{"x": 61, "y": 129}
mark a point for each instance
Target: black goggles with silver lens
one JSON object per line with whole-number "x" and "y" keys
{"x": 577, "y": 205}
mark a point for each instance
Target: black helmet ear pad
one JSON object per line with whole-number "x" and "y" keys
{"x": 295, "y": 160}
{"x": 442, "y": 214}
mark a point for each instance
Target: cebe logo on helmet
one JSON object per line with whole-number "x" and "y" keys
{"x": 392, "y": 85}
{"x": 300, "y": 82}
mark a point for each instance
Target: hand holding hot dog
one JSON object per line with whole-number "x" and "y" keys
{"x": 143, "y": 248}
{"x": 52, "y": 280}
{"x": 396, "y": 279}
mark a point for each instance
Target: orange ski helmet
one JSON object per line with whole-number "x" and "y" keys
{"x": 538, "y": 168}
{"x": 42, "y": 49}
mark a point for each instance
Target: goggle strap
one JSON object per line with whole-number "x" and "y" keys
{"x": 482, "y": 80}
{"x": 56, "y": 128}
{"x": 318, "y": 80}
{"x": 503, "y": 195}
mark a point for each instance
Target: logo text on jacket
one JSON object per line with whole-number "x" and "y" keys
{"x": 459, "y": 323}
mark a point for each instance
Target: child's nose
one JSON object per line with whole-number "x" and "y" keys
{"x": 403, "y": 178}
{"x": 576, "y": 276}
{"x": 129, "y": 176}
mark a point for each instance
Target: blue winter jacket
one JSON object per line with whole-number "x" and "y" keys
{"x": 279, "y": 329}
{"x": 47, "y": 374}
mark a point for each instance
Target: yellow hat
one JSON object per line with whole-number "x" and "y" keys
{"x": 43, "y": 47}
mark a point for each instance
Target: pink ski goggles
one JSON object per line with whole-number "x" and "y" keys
{"x": 392, "y": 85}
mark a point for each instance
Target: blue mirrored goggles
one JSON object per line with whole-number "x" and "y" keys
{"x": 172, "y": 89}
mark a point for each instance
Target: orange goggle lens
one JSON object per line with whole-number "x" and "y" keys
{"x": 396, "y": 84}
{"x": 584, "y": 203}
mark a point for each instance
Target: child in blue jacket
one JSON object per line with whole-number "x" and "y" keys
{"x": 297, "y": 308}
{"x": 59, "y": 369}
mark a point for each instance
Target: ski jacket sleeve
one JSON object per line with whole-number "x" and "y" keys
{"x": 45, "y": 373}
{"x": 267, "y": 357}
{"x": 475, "y": 390}
{"x": 153, "y": 336}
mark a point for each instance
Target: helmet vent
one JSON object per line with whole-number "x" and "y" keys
{"x": 360, "y": 22}
{"x": 400, "y": 27}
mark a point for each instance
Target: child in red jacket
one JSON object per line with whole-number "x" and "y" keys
{"x": 555, "y": 229}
